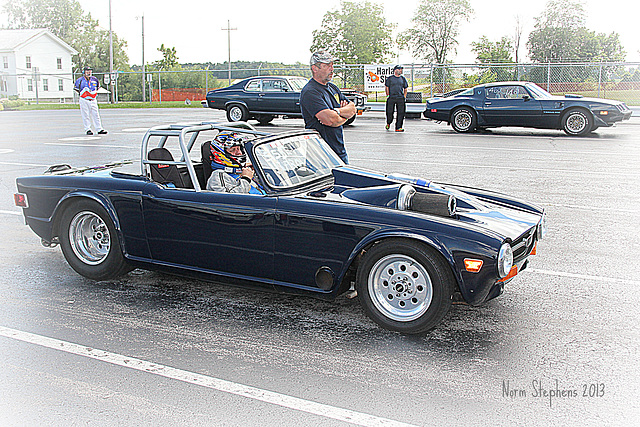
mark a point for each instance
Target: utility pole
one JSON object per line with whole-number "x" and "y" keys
{"x": 228, "y": 30}
{"x": 144, "y": 78}
{"x": 110, "y": 55}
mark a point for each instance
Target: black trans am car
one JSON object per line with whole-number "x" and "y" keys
{"x": 321, "y": 228}
{"x": 266, "y": 97}
{"x": 527, "y": 105}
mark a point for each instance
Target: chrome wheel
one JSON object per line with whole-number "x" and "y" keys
{"x": 89, "y": 238}
{"x": 400, "y": 288}
{"x": 576, "y": 122}
{"x": 237, "y": 113}
{"x": 463, "y": 120}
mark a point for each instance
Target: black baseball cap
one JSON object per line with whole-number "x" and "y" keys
{"x": 398, "y": 67}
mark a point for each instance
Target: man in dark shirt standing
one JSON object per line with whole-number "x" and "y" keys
{"x": 324, "y": 108}
{"x": 396, "y": 89}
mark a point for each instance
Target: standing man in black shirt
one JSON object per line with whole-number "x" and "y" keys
{"x": 324, "y": 108}
{"x": 396, "y": 89}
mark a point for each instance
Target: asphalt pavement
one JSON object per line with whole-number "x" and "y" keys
{"x": 559, "y": 347}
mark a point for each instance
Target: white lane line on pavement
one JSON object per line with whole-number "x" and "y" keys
{"x": 255, "y": 393}
{"x": 6, "y": 150}
{"x": 511, "y": 168}
{"x": 88, "y": 145}
{"x": 583, "y": 276}
{"x": 10, "y": 213}
{"x": 25, "y": 164}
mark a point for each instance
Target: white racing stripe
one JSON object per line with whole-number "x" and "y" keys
{"x": 255, "y": 393}
{"x": 582, "y": 276}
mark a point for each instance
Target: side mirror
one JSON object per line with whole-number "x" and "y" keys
{"x": 526, "y": 97}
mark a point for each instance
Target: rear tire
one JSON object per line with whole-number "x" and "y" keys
{"x": 463, "y": 120}
{"x": 349, "y": 121}
{"x": 265, "y": 119}
{"x": 405, "y": 286}
{"x": 237, "y": 113}
{"x": 576, "y": 122}
{"x": 90, "y": 243}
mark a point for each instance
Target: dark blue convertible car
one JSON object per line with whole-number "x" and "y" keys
{"x": 524, "y": 104}
{"x": 321, "y": 227}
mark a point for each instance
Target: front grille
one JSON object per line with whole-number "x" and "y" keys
{"x": 523, "y": 245}
{"x": 622, "y": 107}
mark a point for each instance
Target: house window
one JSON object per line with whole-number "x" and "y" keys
{"x": 59, "y": 63}
{"x": 5, "y": 60}
{"x": 28, "y": 59}
{"x": 45, "y": 84}
{"x": 60, "y": 85}
{"x": 29, "y": 85}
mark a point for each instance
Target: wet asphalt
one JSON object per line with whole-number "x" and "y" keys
{"x": 559, "y": 347}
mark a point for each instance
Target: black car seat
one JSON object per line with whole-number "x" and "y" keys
{"x": 166, "y": 173}
{"x": 205, "y": 150}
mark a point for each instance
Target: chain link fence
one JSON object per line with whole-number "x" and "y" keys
{"x": 618, "y": 81}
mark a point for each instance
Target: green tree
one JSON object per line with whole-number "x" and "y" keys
{"x": 435, "y": 29}
{"x": 488, "y": 52}
{"x": 357, "y": 33}
{"x": 169, "y": 59}
{"x": 67, "y": 20}
{"x": 560, "y": 35}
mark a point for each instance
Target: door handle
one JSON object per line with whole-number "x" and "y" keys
{"x": 487, "y": 103}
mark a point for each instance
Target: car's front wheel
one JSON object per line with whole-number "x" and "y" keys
{"x": 265, "y": 119}
{"x": 576, "y": 123}
{"x": 90, "y": 243}
{"x": 237, "y": 113}
{"x": 463, "y": 120}
{"x": 404, "y": 286}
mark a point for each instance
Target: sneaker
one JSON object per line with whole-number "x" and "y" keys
{"x": 387, "y": 127}
{"x": 89, "y": 132}
{"x": 102, "y": 132}
{"x": 400, "y": 130}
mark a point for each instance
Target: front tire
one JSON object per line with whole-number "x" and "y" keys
{"x": 576, "y": 123}
{"x": 404, "y": 286}
{"x": 90, "y": 243}
{"x": 237, "y": 113}
{"x": 463, "y": 120}
{"x": 265, "y": 119}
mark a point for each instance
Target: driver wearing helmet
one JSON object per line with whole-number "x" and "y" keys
{"x": 232, "y": 172}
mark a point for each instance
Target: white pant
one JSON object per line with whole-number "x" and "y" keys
{"x": 89, "y": 113}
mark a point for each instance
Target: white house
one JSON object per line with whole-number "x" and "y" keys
{"x": 35, "y": 64}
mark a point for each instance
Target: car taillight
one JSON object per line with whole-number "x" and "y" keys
{"x": 20, "y": 200}
{"x": 434, "y": 110}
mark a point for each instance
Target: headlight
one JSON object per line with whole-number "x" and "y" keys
{"x": 542, "y": 227}
{"x": 505, "y": 260}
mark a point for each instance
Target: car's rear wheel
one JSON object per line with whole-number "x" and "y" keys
{"x": 463, "y": 120}
{"x": 89, "y": 241}
{"x": 237, "y": 113}
{"x": 404, "y": 286}
{"x": 265, "y": 119}
{"x": 576, "y": 122}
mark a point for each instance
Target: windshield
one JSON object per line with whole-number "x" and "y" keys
{"x": 298, "y": 84}
{"x": 537, "y": 91}
{"x": 295, "y": 160}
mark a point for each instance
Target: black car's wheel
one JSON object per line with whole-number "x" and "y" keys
{"x": 90, "y": 243}
{"x": 237, "y": 113}
{"x": 576, "y": 122}
{"x": 349, "y": 121}
{"x": 463, "y": 119}
{"x": 265, "y": 119}
{"x": 404, "y": 286}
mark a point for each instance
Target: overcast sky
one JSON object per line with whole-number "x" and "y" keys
{"x": 281, "y": 30}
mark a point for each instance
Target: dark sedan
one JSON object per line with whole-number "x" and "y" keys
{"x": 263, "y": 98}
{"x": 524, "y": 104}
